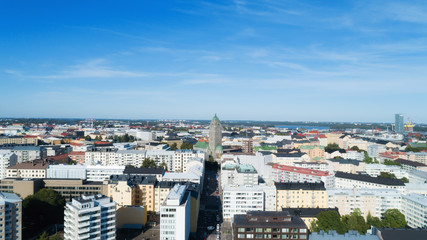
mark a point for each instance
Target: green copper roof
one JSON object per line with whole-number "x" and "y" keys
{"x": 201, "y": 145}
{"x": 215, "y": 118}
{"x": 311, "y": 147}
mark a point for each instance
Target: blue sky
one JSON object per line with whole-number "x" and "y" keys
{"x": 257, "y": 60}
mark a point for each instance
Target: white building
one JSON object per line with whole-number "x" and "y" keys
{"x": 161, "y": 156}
{"x": 348, "y": 180}
{"x": 241, "y": 199}
{"x": 238, "y": 174}
{"x": 10, "y": 216}
{"x": 352, "y": 154}
{"x": 374, "y": 170}
{"x": 270, "y": 197}
{"x": 182, "y": 157}
{"x": 283, "y": 173}
{"x": 98, "y": 173}
{"x": 130, "y": 157}
{"x": 27, "y": 153}
{"x": 321, "y": 166}
{"x": 374, "y": 201}
{"x": 66, "y": 171}
{"x": 103, "y": 156}
{"x": 7, "y": 159}
{"x": 90, "y": 217}
{"x": 175, "y": 214}
{"x": 375, "y": 149}
{"x": 417, "y": 176}
{"x": 414, "y": 207}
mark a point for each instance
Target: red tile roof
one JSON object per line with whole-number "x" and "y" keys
{"x": 306, "y": 171}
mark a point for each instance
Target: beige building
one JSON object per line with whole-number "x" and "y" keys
{"x": 73, "y": 188}
{"x": 301, "y": 195}
{"x": 23, "y": 187}
{"x": 128, "y": 190}
{"x": 33, "y": 169}
{"x": 346, "y": 165}
{"x": 28, "y": 140}
{"x": 315, "y": 152}
{"x": 10, "y": 216}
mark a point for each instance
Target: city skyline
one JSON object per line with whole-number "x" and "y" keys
{"x": 245, "y": 60}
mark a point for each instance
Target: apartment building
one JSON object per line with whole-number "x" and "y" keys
{"x": 74, "y": 188}
{"x": 90, "y": 217}
{"x": 238, "y": 174}
{"x": 18, "y": 140}
{"x": 241, "y": 199}
{"x": 66, "y": 171}
{"x": 175, "y": 214}
{"x": 157, "y": 172}
{"x": 128, "y": 190}
{"x": 283, "y": 173}
{"x": 308, "y": 215}
{"x": 27, "y": 153}
{"x": 374, "y": 201}
{"x": 297, "y": 195}
{"x": 411, "y": 165}
{"x": 321, "y": 166}
{"x": 346, "y": 165}
{"x": 33, "y": 169}
{"x": 374, "y": 170}
{"x": 7, "y": 159}
{"x": 10, "y": 216}
{"x": 414, "y": 207}
{"x": 268, "y": 225}
{"x": 348, "y": 180}
{"x": 77, "y": 156}
{"x": 103, "y": 156}
{"x": 315, "y": 152}
{"x": 130, "y": 157}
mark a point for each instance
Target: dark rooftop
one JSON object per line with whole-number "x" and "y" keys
{"x": 308, "y": 212}
{"x": 367, "y": 178}
{"x": 346, "y": 161}
{"x": 145, "y": 171}
{"x": 268, "y": 219}
{"x": 410, "y": 163}
{"x": 133, "y": 179}
{"x": 298, "y": 186}
{"x": 399, "y": 234}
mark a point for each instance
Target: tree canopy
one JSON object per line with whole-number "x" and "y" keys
{"x": 40, "y": 210}
{"x": 393, "y": 218}
{"x": 328, "y": 220}
{"x": 173, "y": 146}
{"x": 332, "y": 147}
{"x": 148, "y": 163}
{"x": 187, "y": 145}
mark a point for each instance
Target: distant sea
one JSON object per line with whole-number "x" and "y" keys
{"x": 306, "y": 127}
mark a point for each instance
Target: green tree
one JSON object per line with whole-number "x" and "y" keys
{"x": 187, "y": 145}
{"x": 88, "y": 138}
{"x": 40, "y": 210}
{"x": 405, "y": 180}
{"x": 373, "y": 221}
{"x": 393, "y": 218}
{"x": 355, "y": 221}
{"x": 44, "y": 236}
{"x": 332, "y": 147}
{"x": 57, "y": 236}
{"x": 148, "y": 163}
{"x": 328, "y": 220}
{"x": 391, "y": 162}
{"x": 367, "y": 158}
{"x": 173, "y": 146}
{"x": 387, "y": 175}
{"x": 164, "y": 166}
{"x": 355, "y": 148}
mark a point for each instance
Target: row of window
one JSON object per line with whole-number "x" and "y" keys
{"x": 274, "y": 230}
{"x": 272, "y": 236}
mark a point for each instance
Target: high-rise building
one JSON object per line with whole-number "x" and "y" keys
{"x": 398, "y": 123}
{"x": 90, "y": 217}
{"x": 175, "y": 214}
{"x": 215, "y": 138}
{"x": 11, "y": 216}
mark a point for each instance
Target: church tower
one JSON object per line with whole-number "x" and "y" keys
{"x": 215, "y": 138}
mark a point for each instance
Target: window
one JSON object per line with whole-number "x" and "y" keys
{"x": 267, "y": 236}
{"x": 241, "y": 230}
{"x": 258, "y": 230}
{"x": 275, "y": 230}
{"x": 302, "y": 236}
{"x": 285, "y": 236}
{"x": 240, "y": 235}
{"x": 249, "y": 236}
{"x": 285, "y": 230}
{"x": 267, "y": 229}
{"x": 258, "y": 236}
{"x": 249, "y": 229}
{"x": 303, "y": 230}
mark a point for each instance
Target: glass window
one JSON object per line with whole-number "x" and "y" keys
{"x": 258, "y": 236}
{"x": 276, "y": 230}
{"x": 285, "y": 236}
{"x": 267, "y": 236}
{"x": 240, "y": 235}
{"x": 303, "y": 230}
{"x": 241, "y": 229}
{"x": 302, "y": 236}
{"x": 285, "y": 230}
{"x": 267, "y": 229}
{"x": 276, "y": 236}
{"x": 249, "y": 229}
{"x": 258, "y": 230}
{"x": 249, "y": 236}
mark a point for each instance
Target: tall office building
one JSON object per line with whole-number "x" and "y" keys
{"x": 175, "y": 214}
{"x": 10, "y": 216}
{"x": 215, "y": 138}
{"x": 398, "y": 123}
{"x": 90, "y": 217}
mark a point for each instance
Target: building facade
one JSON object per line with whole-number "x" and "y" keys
{"x": 10, "y": 216}
{"x": 90, "y": 217}
{"x": 215, "y": 138}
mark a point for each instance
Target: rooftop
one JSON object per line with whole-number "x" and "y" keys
{"x": 346, "y": 161}
{"x": 268, "y": 219}
{"x": 31, "y": 165}
{"x": 308, "y": 212}
{"x": 245, "y": 168}
{"x": 145, "y": 171}
{"x": 367, "y": 178}
{"x": 410, "y": 163}
{"x": 399, "y": 234}
{"x": 300, "y": 170}
{"x": 350, "y": 235}
{"x": 298, "y": 186}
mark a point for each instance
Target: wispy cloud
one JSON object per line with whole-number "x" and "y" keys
{"x": 96, "y": 68}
